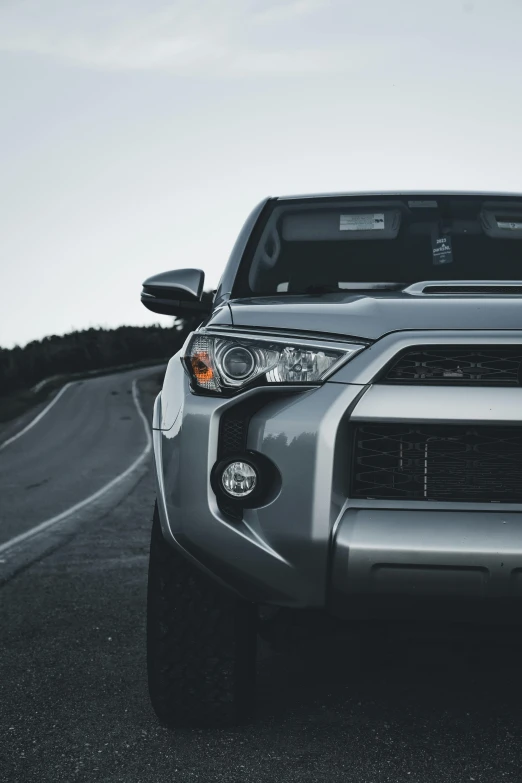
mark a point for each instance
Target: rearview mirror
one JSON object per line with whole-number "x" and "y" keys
{"x": 176, "y": 293}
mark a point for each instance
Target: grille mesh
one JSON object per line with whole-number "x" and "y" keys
{"x": 485, "y": 366}
{"x": 232, "y": 439}
{"x": 233, "y": 433}
{"x": 454, "y": 463}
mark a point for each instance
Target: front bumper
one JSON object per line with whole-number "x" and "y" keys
{"x": 419, "y": 557}
{"x": 313, "y": 545}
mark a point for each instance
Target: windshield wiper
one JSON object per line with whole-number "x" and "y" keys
{"x": 318, "y": 289}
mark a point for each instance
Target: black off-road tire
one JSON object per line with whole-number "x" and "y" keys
{"x": 201, "y": 643}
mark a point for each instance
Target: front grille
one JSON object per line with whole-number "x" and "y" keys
{"x": 484, "y": 366}
{"x": 432, "y": 462}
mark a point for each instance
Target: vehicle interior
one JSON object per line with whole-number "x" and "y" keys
{"x": 318, "y": 248}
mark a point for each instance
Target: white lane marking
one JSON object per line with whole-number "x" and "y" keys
{"x": 73, "y": 509}
{"x": 37, "y": 419}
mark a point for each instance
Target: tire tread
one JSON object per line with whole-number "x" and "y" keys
{"x": 201, "y": 643}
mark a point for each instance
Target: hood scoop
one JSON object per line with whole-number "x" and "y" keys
{"x": 469, "y": 287}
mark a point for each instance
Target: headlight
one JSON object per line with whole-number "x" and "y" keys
{"x": 227, "y": 363}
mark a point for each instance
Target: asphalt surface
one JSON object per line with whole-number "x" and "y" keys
{"x": 415, "y": 706}
{"x": 88, "y": 437}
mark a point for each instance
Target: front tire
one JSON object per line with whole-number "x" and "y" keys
{"x": 201, "y": 643}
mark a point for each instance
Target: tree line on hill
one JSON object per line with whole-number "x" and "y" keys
{"x": 88, "y": 350}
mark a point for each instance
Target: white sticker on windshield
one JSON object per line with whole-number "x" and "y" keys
{"x": 372, "y": 222}
{"x": 512, "y": 226}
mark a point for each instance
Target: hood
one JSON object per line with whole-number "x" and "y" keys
{"x": 371, "y": 316}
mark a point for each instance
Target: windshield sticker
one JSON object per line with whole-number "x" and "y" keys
{"x": 374, "y": 222}
{"x": 442, "y": 250}
{"x": 510, "y": 225}
{"x": 424, "y": 204}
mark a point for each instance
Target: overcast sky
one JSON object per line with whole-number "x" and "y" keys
{"x": 136, "y": 135}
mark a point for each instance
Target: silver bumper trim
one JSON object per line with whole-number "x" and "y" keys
{"x": 455, "y": 554}
{"x": 440, "y": 404}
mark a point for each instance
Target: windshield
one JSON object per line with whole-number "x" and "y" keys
{"x": 323, "y": 245}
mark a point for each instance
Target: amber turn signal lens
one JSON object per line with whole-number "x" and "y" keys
{"x": 201, "y": 368}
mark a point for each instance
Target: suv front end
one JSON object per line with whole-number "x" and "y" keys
{"x": 353, "y": 445}
{"x": 382, "y": 486}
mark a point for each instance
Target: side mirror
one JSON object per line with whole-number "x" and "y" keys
{"x": 176, "y": 293}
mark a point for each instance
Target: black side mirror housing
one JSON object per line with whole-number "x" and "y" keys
{"x": 176, "y": 293}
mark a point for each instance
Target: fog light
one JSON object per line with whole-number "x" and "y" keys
{"x": 239, "y": 479}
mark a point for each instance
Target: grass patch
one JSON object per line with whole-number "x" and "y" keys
{"x": 14, "y": 405}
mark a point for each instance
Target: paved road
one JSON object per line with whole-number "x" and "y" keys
{"x": 73, "y": 698}
{"x": 89, "y": 435}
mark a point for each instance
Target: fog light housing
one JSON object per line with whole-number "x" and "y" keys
{"x": 245, "y": 479}
{"x": 239, "y": 479}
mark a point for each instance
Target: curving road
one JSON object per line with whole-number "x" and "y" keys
{"x": 89, "y": 435}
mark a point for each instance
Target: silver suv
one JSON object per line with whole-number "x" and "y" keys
{"x": 341, "y": 434}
